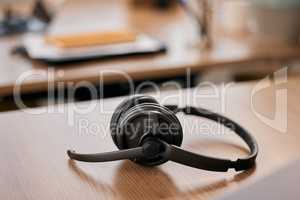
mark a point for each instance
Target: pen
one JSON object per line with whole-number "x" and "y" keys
{"x": 189, "y": 10}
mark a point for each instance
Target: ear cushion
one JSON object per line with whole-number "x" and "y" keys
{"x": 123, "y": 107}
{"x": 136, "y": 116}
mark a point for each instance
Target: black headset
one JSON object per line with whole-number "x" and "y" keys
{"x": 150, "y": 134}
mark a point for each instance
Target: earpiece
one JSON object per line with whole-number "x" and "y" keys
{"x": 150, "y": 134}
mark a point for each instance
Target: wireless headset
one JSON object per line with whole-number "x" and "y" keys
{"x": 151, "y": 134}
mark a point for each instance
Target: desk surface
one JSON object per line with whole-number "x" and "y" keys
{"x": 172, "y": 26}
{"x": 34, "y": 164}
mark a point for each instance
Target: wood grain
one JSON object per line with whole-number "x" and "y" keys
{"x": 34, "y": 164}
{"x": 171, "y": 26}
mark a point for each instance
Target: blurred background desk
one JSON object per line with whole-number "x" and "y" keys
{"x": 34, "y": 164}
{"x": 178, "y": 31}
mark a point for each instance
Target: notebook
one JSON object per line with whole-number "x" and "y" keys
{"x": 39, "y": 49}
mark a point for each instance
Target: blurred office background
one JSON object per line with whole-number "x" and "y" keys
{"x": 233, "y": 27}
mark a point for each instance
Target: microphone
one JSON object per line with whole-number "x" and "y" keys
{"x": 107, "y": 156}
{"x": 150, "y": 149}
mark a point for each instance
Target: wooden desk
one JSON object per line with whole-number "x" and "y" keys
{"x": 34, "y": 164}
{"x": 171, "y": 26}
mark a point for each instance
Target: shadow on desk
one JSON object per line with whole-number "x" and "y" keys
{"x": 133, "y": 181}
